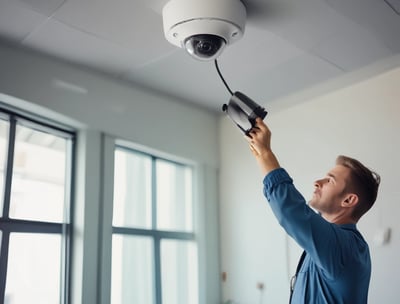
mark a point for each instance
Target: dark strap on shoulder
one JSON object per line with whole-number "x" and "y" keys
{"x": 293, "y": 279}
{"x": 303, "y": 255}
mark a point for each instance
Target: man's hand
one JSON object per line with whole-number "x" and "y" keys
{"x": 259, "y": 139}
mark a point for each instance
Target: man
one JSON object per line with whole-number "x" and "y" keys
{"x": 336, "y": 267}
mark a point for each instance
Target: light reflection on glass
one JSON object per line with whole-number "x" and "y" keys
{"x": 38, "y": 187}
{"x": 33, "y": 273}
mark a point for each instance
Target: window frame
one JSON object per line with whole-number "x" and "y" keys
{"x": 155, "y": 234}
{"x": 10, "y": 225}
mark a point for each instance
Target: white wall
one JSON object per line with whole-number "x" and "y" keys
{"x": 362, "y": 121}
{"x": 110, "y": 106}
{"x": 96, "y": 105}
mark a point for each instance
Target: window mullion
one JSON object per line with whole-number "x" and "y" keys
{"x": 157, "y": 239}
{"x": 157, "y": 269}
{"x": 154, "y": 193}
{"x": 5, "y": 239}
{"x": 23, "y": 226}
{"x": 9, "y": 167}
{"x": 67, "y": 225}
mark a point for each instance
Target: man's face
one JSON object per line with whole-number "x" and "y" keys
{"x": 330, "y": 191}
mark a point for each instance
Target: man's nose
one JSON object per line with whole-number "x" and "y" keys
{"x": 319, "y": 182}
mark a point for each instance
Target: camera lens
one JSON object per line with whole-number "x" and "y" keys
{"x": 205, "y": 47}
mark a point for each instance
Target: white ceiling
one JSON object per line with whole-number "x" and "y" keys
{"x": 288, "y": 45}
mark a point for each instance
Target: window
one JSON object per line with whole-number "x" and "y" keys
{"x": 154, "y": 252}
{"x": 35, "y": 178}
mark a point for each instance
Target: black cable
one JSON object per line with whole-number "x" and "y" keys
{"x": 222, "y": 78}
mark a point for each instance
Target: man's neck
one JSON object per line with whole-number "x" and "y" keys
{"x": 339, "y": 219}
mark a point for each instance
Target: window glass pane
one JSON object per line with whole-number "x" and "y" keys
{"x": 132, "y": 270}
{"x": 179, "y": 272}
{"x": 4, "y": 125}
{"x": 38, "y": 186}
{"x": 174, "y": 197}
{"x": 132, "y": 190}
{"x": 33, "y": 274}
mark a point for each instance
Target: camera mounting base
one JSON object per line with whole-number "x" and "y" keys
{"x": 183, "y": 19}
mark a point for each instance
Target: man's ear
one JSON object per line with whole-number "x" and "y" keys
{"x": 350, "y": 200}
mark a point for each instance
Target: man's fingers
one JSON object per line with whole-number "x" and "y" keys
{"x": 260, "y": 124}
{"x": 253, "y": 131}
{"x": 252, "y": 149}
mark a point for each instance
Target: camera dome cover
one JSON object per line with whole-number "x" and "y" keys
{"x": 205, "y": 47}
{"x": 183, "y": 19}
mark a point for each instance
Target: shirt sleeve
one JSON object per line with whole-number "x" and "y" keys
{"x": 323, "y": 241}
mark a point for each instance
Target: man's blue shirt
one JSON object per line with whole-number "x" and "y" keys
{"x": 337, "y": 267}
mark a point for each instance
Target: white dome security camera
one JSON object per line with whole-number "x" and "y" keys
{"x": 204, "y": 27}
